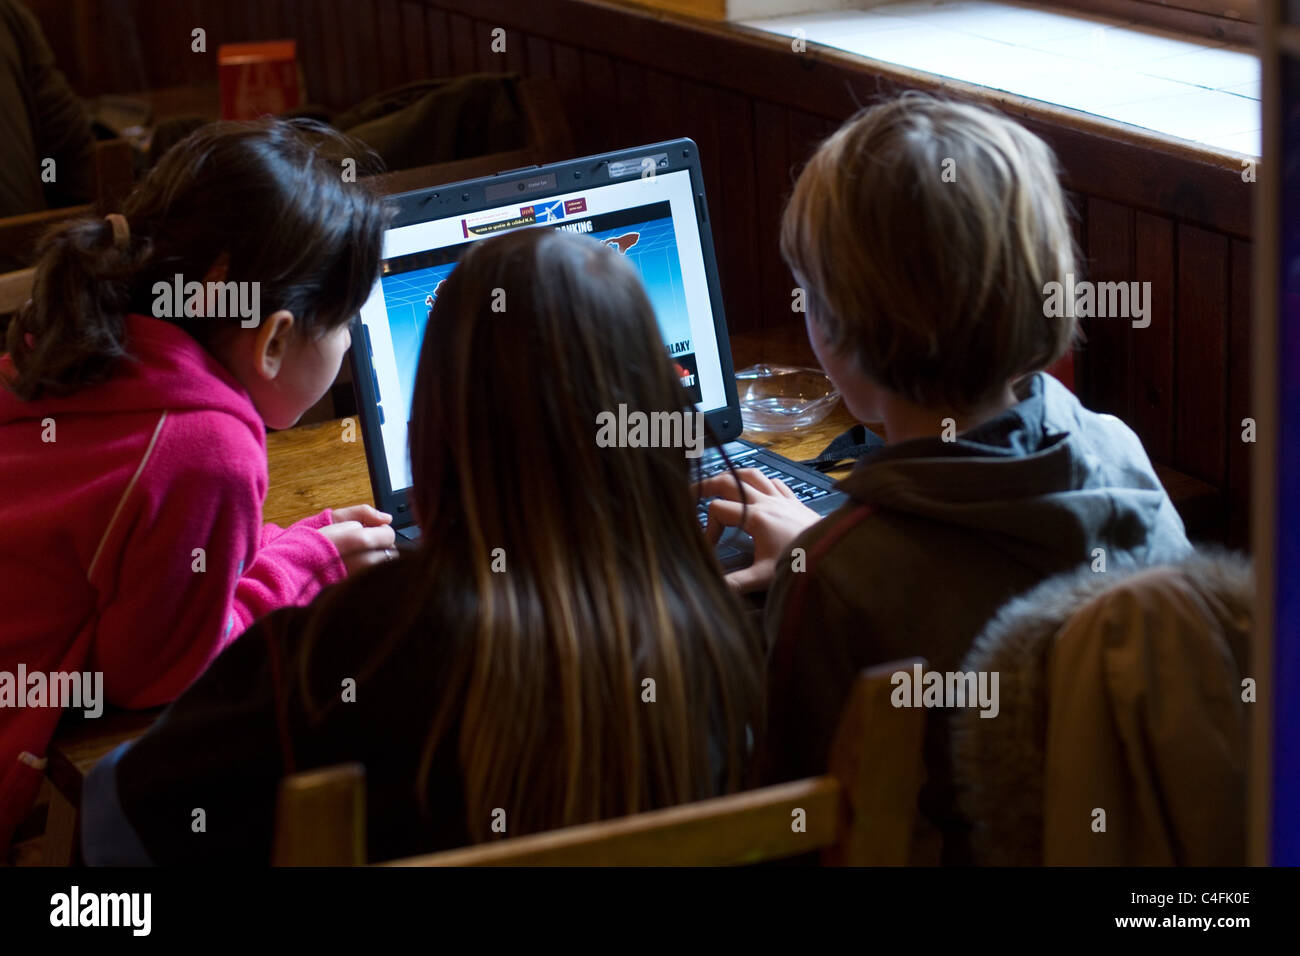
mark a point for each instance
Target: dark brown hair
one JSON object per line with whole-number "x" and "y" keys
{"x": 608, "y": 580}
{"x": 261, "y": 202}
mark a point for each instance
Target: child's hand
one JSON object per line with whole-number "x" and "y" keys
{"x": 362, "y": 535}
{"x": 368, "y": 516}
{"x": 774, "y": 518}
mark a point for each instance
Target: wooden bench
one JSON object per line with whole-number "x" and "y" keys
{"x": 860, "y": 813}
{"x": 73, "y": 753}
{"x": 15, "y": 290}
{"x": 114, "y": 176}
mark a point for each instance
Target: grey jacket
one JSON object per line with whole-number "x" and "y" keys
{"x": 936, "y": 538}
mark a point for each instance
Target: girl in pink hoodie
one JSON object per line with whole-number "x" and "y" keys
{"x": 132, "y": 425}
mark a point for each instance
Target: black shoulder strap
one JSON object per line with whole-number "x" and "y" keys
{"x": 849, "y": 446}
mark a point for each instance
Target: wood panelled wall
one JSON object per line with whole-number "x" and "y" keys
{"x": 1146, "y": 211}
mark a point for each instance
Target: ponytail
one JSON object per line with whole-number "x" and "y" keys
{"x": 73, "y": 329}
{"x": 261, "y": 202}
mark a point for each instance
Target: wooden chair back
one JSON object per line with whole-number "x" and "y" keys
{"x": 860, "y": 813}
{"x": 320, "y": 818}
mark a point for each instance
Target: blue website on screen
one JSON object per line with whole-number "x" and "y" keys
{"x": 651, "y": 221}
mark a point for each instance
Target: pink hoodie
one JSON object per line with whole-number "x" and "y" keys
{"x": 99, "y": 529}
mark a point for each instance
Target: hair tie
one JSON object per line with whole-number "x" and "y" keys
{"x": 121, "y": 228}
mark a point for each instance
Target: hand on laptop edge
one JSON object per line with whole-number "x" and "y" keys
{"x": 363, "y": 536}
{"x": 765, "y": 509}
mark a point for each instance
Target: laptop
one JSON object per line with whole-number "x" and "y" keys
{"x": 648, "y": 203}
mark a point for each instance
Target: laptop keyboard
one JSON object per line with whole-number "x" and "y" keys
{"x": 804, "y": 491}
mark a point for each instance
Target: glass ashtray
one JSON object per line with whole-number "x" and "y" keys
{"x": 780, "y": 398}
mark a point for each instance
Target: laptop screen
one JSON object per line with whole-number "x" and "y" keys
{"x": 652, "y": 220}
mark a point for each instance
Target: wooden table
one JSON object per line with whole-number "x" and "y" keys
{"x": 313, "y": 467}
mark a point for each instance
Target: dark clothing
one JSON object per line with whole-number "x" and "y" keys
{"x": 225, "y": 744}
{"x": 40, "y": 118}
{"x": 221, "y": 746}
{"x": 936, "y": 538}
{"x": 436, "y": 121}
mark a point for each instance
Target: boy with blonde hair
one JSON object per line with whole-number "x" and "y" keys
{"x": 923, "y": 233}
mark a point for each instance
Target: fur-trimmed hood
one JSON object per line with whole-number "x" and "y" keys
{"x": 1121, "y": 692}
